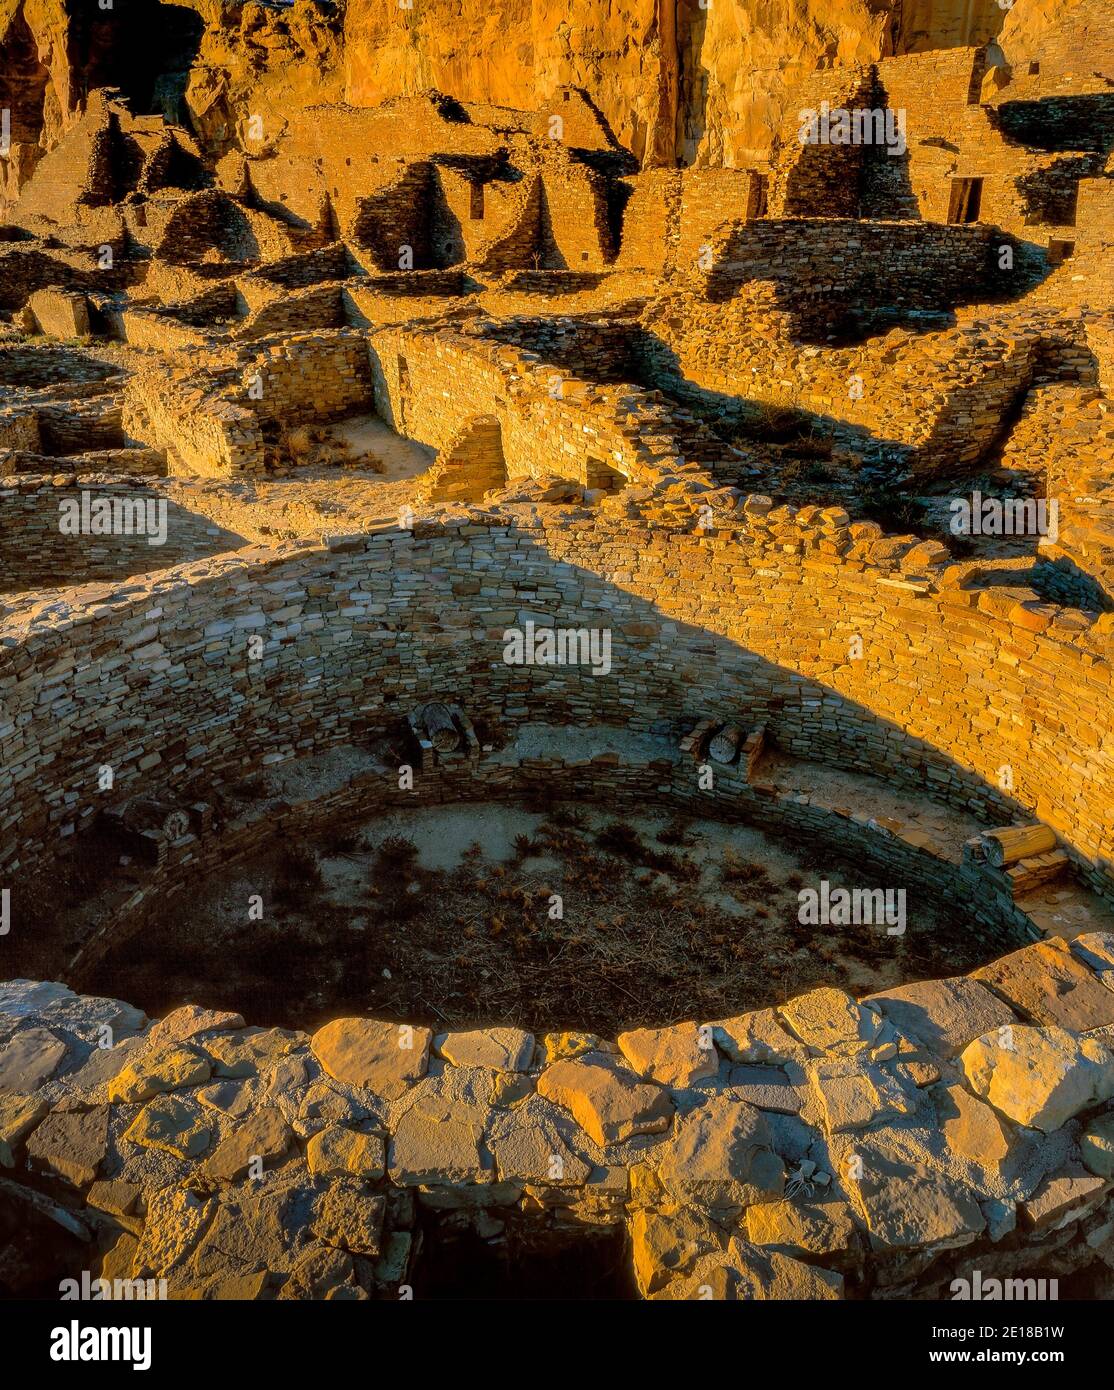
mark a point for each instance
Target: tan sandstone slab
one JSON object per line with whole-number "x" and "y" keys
{"x": 116, "y": 1197}
{"x": 173, "y": 1125}
{"x": 157, "y": 1070}
{"x": 757, "y": 1037}
{"x": 18, "y": 1116}
{"x": 1096, "y": 950}
{"x": 829, "y": 1020}
{"x": 350, "y": 1217}
{"x": 255, "y": 1144}
{"x": 382, "y": 1057}
{"x": 1050, "y": 985}
{"x": 1039, "y": 1076}
{"x": 853, "y": 1094}
{"x": 670, "y": 1056}
{"x": 71, "y": 1143}
{"x": 608, "y": 1101}
{"x": 176, "y": 1219}
{"x": 1064, "y": 1197}
{"x": 665, "y": 1244}
{"x": 500, "y": 1049}
{"x": 336, "y": 1150}
{"x": 972, "y": 1129}
{"x": 189, "y": 1022}
{"x": 537, "y": 1155}
{"x": 1096, "y": 1146}
{"x": 943, "y": 1016}
{"x": 821, "y": 1228}
{"x": 721, "y": 1155}
{"x": 248, "y": 1051}
{"x": 438, "y": 1143}
{"x": 30, "y": 1059}
{"x": 560, "y": 1045}
{"x": 906, "y": 1205}
{"x": 747, "y": 1273}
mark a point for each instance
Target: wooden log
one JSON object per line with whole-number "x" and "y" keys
{"x": 724, "y": 746}
{"x": 440, "y": 728}
{"x": 144, "y": 813}
{"x": 1014, "y": 842}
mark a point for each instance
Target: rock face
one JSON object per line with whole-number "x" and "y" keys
{"x": 675, "y": 81}
{"x": 55, "y": 54}
{"x": 1072, "y": 25}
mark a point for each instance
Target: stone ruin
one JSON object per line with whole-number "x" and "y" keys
{"x": 316, "y": 385}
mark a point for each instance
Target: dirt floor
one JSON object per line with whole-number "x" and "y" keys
{"x": 565, "y": 918}
{"x": 370, "y": 478}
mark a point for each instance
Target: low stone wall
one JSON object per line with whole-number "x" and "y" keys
{"x": 310, "y": 376}
{"x": 925, "y": 1139}
{"x": 203, "y": 424}
{"x": 37, "y": 553}
{"x": 931, "y": 403}
{"x": 899, "y": 265}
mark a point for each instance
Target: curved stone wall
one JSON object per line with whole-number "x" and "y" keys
{"x": 953, "y": 684}
{"x": 928, "y": 1138}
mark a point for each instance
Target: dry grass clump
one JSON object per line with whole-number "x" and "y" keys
{"x": 609, "y": 933}
{"x": 298, "y": 877}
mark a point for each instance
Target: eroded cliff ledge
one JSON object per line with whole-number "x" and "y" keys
{"x": 677, "y": 81}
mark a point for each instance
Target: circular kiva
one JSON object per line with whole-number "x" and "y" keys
{"x": 801, "y": 1150}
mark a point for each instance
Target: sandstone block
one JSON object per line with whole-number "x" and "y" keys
{"x": 170, "y": 1124}
{"x": 943, "y": 1016}
{"x": 670, "y": 1056}
{"x": 166, "y": 1068}
{"x": 1039, "y": 1076}
{"x": 382, "y": 1057}
{"x": 829, "y": 1020}
{"x": 721, "y": 1155}
{"x": 607, "y": 1100}
{"x": 71, "y": 1144}
{"x": 29, "y": 1059}
{"x": 501, "y": 1049}
{"x": 337, "y": 1150}
{"x": 1046, "y": 983}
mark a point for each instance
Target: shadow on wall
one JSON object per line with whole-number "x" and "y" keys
{"x": 135, "y": 46}
{"x": 692, "y": 79}
{"x": 339, "y": 670}
{"x": 951, "y": 444}
{"x": 37, "y": 554}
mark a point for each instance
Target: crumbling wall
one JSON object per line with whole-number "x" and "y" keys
{"x": 311, "y": 376}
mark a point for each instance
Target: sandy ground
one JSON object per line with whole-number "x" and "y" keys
{"x": 312, "y": 502}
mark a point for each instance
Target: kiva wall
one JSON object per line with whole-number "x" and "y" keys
{"x": 756, "y": 619}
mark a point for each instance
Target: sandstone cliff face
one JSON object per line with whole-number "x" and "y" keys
{"x": 706, "y": 84}
{"x": 740, "y": 63}
{"x": 697, "y": 81}
{"x": 516, "y": 53}
{"x": 1073, "y": 36}
{"x": 266, "y": 63}
{"x": 53, "y": 53}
